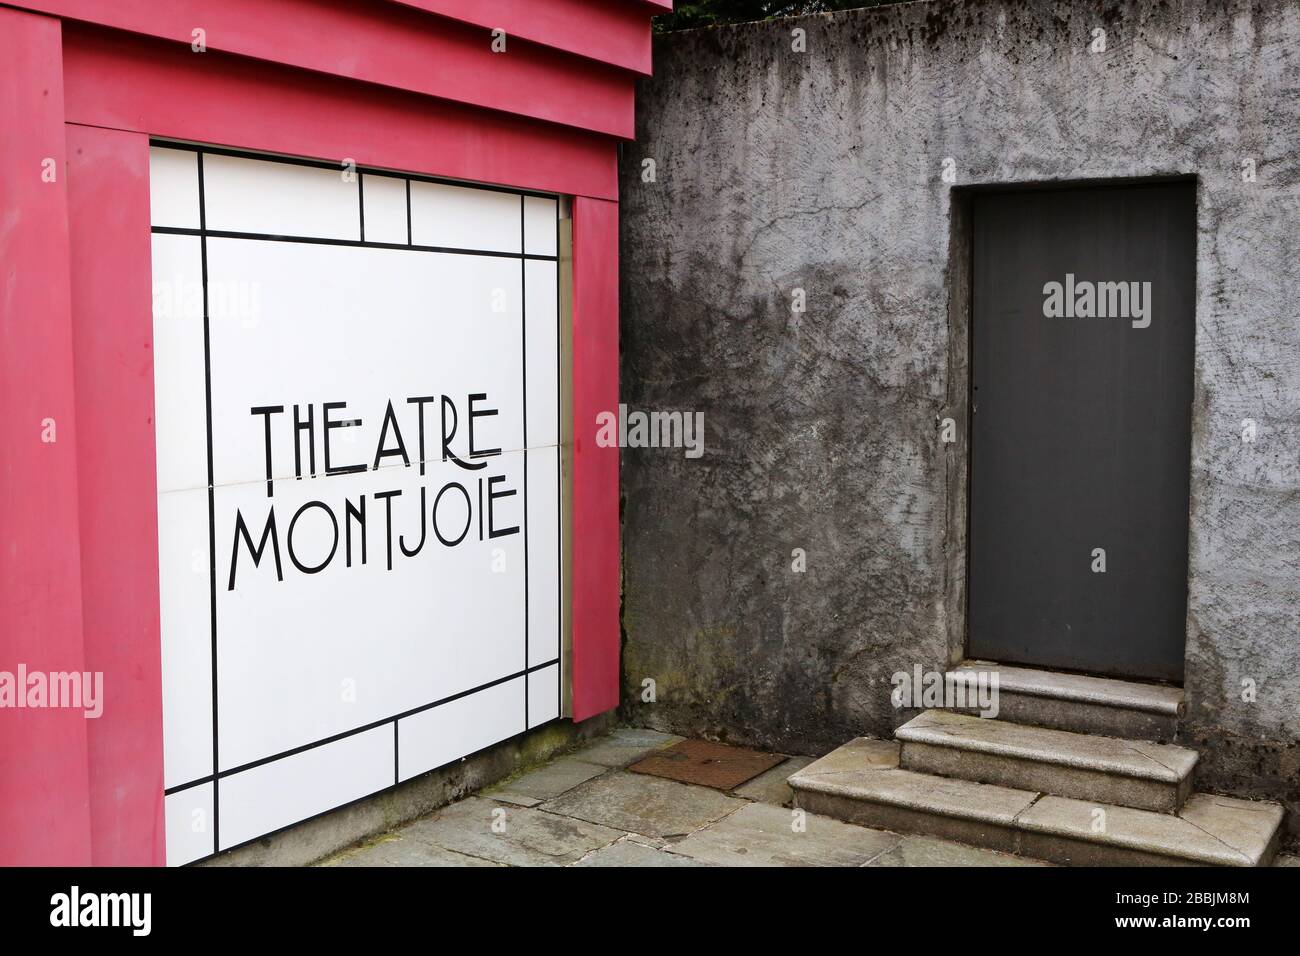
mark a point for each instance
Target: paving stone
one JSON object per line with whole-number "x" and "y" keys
{"x": 643, "y": 804}
{"x": 403, "y": 850}
{"x": 519, "y": 800}
{"x": 630, "y": 853}
{"x": 624, "y": 746}
{"x": 617, "y": 818}
{"x": 762, "y": 835}
{"x": 530, "y": 837}
{"x": 771, "y": 787}
{"x": 927, "y": 851}
{"x": 547, "y": 781}
{"x": 655, "y": 843}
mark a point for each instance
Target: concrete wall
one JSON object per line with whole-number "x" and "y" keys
{"x": 821, "y": 170}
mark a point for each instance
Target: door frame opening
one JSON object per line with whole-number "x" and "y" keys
{"x": 958, "y": 402}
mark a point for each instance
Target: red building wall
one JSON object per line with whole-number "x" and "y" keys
{"x": 84, "y": 84}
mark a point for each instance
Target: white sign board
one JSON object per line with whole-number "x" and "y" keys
{"x": 357, "y": 394}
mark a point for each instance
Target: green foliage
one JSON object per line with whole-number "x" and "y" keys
{"x": 703, "y": 13}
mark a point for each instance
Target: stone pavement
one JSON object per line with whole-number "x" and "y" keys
{"x": 584, "y": 809}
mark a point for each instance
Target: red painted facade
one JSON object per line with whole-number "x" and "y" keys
{"x": 84, "y": 84}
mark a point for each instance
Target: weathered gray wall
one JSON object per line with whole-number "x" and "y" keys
{"x": 821, "y": 170}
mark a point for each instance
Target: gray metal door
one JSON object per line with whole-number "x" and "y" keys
{"x": 1081, "y": 375}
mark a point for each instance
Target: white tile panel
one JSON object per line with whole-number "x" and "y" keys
{"x": 189, "y": 824}
{"x": 543, "y": 555}
{"x": 462, "y": 217}
{"x": 543, "y": 695}
{"x": 180, "y": 399}
{"x": 280, "y": 792}
{"x": 186, "y": 625}
{"x": 542, "y": 349}
{"x": 283, "y": 199}
{"x": 463, "y": 726}
{"x": 385, "y": 201}
{"x": 540, "y": 218}
{"x": 173, "y": 187}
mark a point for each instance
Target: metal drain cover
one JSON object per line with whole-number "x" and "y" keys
{"x": 707, "y": 764}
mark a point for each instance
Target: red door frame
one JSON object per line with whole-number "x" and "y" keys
{"x": 44, "y": 788}
{"x": 79, "y": 566}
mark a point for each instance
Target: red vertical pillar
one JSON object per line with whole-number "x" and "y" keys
{"x": 44, "y": 802}
{"x": 595, "y": 542}
{"x": 108, "y": 215}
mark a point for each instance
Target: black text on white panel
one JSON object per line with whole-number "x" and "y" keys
{"x": 357, "y": 392}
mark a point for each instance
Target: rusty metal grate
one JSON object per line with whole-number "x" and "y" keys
{"x": 707, "y": 764}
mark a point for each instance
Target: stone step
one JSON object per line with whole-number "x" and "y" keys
{"x": 1128, "y": 773}
{"x": 1209, "y": 829}
{"x": 1085, "y": 705}
{"x": 862, "y": 783}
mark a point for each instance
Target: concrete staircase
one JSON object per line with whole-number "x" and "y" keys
{"x": 1071, "y": 771}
